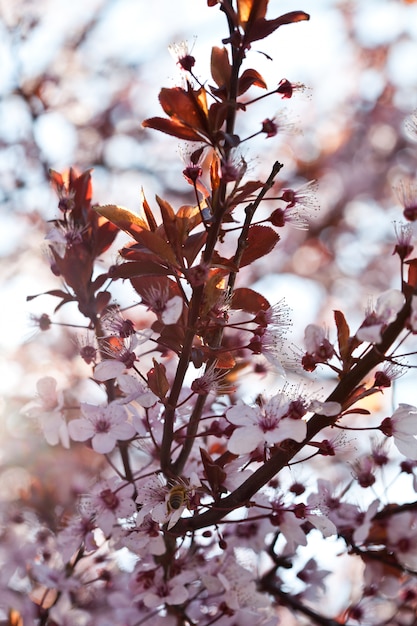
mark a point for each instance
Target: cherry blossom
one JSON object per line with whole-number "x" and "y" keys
{"x": 111, "y": 500}
{"x": 402, "y": 537}
{"x": 267, "y": 424}
{"x": 387, "y": 306}
{"x": 402, "y": 426}
{"x": 47, "y": 410}
{"x": 104, "y": 425}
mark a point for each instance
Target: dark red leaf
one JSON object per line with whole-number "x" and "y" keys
{"x": 248, "y": 79}
{"x": 144, "y": 284}
{"x": 261, "y": 240}
{"x": 157, "y": 380}
{"x": 251, "y": 10}
{"x": 343, "y": 334}
{"x": 193, "y": 245}
{"x": 138, "y": 268}
{"x": 172, "y": 127}
{"x": 220, "y": 66}
{"x": 261, "y": 28}
{"x": 249, "y": 300}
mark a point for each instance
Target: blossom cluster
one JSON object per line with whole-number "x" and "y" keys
{"x": 179, "y": 495}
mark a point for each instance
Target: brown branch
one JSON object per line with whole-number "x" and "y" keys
{"x": 280, "y": 459}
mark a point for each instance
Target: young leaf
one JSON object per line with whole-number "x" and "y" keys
{"x": 251, "y": 10}
{"x": 157, "y": 380}
{"x": 248, "y": 300}
{"x": 261, "y": 240}
{"x": 261, "y": 28}
{"x": 249, "y": 78}
{"x": 343, "y": 334}
{"x": 122, "y": 218}
{"x": 220, "y": 66}
{"x": 172, "y": 127}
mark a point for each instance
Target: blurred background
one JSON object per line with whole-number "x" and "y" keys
{"x": 77, "y": 79}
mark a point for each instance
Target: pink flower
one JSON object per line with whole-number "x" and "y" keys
{"x": 172, "y": 591}
{"x": 319, "y": 348}
{"x": 167, "y": 308}
{"x": 301, "y": 203}
{"x": 387, "y": 306}
{"x": 47, "y": 409}
{"x": 103, "y": 425}
{"x": 267, "y": 424}
{"x": 402, "y": 537}
{"x": 402, "y": 425}
{"x": 110, "y": 501}
{"x": 407, "y": 195}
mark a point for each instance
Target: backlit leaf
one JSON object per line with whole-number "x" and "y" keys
{"x": 251, "y": 9}
{"x": 172, "y": 127}
{"x": 248, "y": 79}
{"x": 157, "y": 380}
{"x": 262, "y": 27}
{"x": 220, "y": 66}
{"x": 261, "y": 240}
{"x": 249, "y": 300}
{"x": 123, "y": 218}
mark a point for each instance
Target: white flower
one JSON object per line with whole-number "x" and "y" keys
{"x": 47, "y": 409}
{"x": 110, "y": 501}
{"x": 402, "y": 425}
{"x": 164, "y": 503}
{"x": 267, "y": 424}
{"x": 103, "y": 425}
{"x": 402, "y": 537}
{"x": 386, "y": 309}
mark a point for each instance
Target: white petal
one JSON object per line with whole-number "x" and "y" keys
{"x": 80, "y": 429}
{"x": 242, "y": 415}
{"x": 103, "y": 442}
{"x": 172, "y": 311}
{"x": 107, "y": 369}
{"x": 407, "y": 445}
{"x": 244, "y": 440}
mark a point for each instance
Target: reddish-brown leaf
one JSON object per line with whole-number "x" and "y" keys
{"x": 102, "y": 300}
{"x": 193, "y": 245}
{"x": 138, "y": 268}
{"x": 144, "y": 285}
{"x": 243, "y": 193}
{"x": 188, "y": 217}
{"x": 215, "y": 475}
{"x": 56, "y": 180}
{"x": 188, "y": 107}
{"x": 171, "y": 336}
{"x": 122, "y": 218}
{"x": 261, "y": 28}
{"x": 157, "y": 380}
{"x": 82, "y": 188}
{"x": 157, "y": 245}
{"x": 220, "y": 66}
{"x": 343, "y": 335}
{"x": 251, "y": 10}
{"x": 106, "y": 234}
{"x": 172, "y": 127}
{"x": 215, "y": 172}
{"x": 248, "y": 79}
{"x": 148, "y": 212}
{"x": 261, "y": 240}
{"x": 249, "y": 300}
